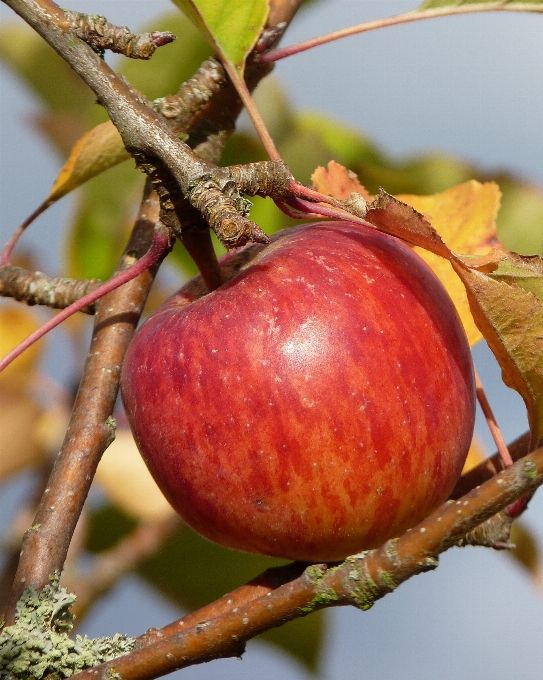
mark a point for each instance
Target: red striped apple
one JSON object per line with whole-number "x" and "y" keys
{"x": 318, "y": 403}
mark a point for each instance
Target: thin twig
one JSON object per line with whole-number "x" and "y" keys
{"x": 406, "y": 17}
{"x": 159, "y": 247}
{"x": 102, "y": 35}
{"x": 492, "y": 423}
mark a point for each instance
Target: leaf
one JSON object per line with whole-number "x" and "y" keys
{"x": 19, "y": 411}
{"x": 17, "y": 323}
{"x": 476, "y": 455}
{"x": 394, "y": 217}
{"x": 231, "y": 27}
{"x": 337, "y": 181}
{"x": 527, "y": 552}
{"x": 521, "y": 216}
{"x": 124, "y": 477}
{"x": 101, "y": 222}
{"x": 42, "y": 69}
{"x": 98, "y": 150}
{"x": 465, "y": 216}
{"x": 511, "y": 320}
{"x": 19, "y": 414}
{"x": 347, "y": 145}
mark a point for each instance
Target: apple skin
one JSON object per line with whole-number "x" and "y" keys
{"x": 317, "y": 404}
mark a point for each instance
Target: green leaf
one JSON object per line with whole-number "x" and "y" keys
{"x": 347, "y": 145}
{"x": 521, "y": 216}
{"x": 523, "y": 271}
{"x": 231, "y": 27}
{"x": 100, "y": 226}
{"x": 42, "y": 70}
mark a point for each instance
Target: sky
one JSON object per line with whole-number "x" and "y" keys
{"x": 471, "y": 86}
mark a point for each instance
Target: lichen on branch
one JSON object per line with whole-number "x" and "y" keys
{"x": 38, "y": 643}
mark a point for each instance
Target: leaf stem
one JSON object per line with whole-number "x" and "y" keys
{"x": 492, "y": 423}
{"x": 396, "y": 20}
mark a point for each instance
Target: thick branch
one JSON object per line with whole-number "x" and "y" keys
{"x": 360, "y": 581}
{"x": 91, "y": 427}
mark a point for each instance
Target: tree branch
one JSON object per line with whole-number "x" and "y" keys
{"x": 91, "y": 427}
{"x": 359, "y": 581}
{"x": 36, "y": 288}
{"x": 145, "y": 134}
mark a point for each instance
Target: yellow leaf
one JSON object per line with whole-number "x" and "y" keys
{"x": 16, "y": 323}
{"x": 98, "y": 150}
{"x": 465, "y": 217}
{"x": 124, "y": 477}
{"x": 476, "y": 455}
{"x": 337, "y": 181}
{"x": 18, "y": 416}
{"x": 527, "y": 552}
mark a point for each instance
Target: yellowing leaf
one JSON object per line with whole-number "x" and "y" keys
{"x": 527, "y": 552}
{"x": 18, "y": 416}
{"x": 16, "y": 323}
{"x": 232, "y": 27}
{"x": 124, "y": 477}
{"x": 98, "y": 150}
{"x": 511, "y": 320}
{"x": 465, "y": 217}
{"x": 337, "y": 181}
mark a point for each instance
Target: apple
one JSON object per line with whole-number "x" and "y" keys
{"x": 317, "y": 404}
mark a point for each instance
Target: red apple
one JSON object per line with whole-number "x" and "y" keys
{"x": 317, "y": 404}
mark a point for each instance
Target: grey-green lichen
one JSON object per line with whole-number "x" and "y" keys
{"x": 387, "y": 580}
{"x": 324, "y": 597}
{"x": 365, "y": 594}
{"x": 38, "y": 643}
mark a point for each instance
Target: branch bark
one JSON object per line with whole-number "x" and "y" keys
{"x": 360, "y": 581}
{"x": 144, "y": 132}
{"x": 91, "y": 427}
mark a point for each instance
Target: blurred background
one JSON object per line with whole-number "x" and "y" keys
{"x": 415, "y": 108}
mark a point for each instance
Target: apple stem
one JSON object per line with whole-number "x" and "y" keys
{"x": 200, "y": 247}
{"x": 159, "y": 246}
{"x": 492, "y": 424}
